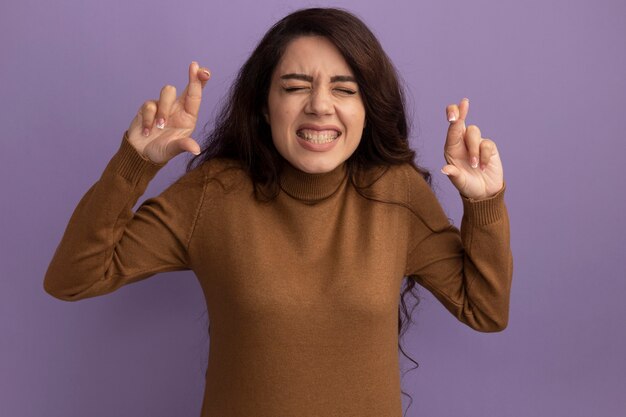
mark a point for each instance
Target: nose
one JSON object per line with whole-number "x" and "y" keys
{"x": 320, "y": 102}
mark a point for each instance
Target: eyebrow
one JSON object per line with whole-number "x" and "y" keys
{"x": 304, "y": 77}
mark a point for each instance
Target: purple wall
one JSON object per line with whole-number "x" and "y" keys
{"x": 547, "y": 82}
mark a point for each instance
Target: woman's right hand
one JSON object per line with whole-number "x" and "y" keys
{"x": 162, "y": 128}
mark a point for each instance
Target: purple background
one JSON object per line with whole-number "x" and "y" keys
{"x": 547, "y": 82}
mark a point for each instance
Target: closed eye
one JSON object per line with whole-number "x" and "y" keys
{"x": 344, "y": 90}
{"x": 293, "y": 89}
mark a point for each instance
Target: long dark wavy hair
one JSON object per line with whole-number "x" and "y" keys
{"x": 242, "y": 133}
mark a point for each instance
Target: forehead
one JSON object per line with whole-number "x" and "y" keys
{"x": 312, "y": 55}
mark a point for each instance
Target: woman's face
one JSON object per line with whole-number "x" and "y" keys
{"x": 314, "y": 106}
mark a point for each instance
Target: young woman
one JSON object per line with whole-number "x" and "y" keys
{"x": 301, "y": 216}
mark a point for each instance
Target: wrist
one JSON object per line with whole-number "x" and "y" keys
{"x": 485, "y": 210}
{"x": 481, "y": 197}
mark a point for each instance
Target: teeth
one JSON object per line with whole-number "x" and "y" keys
{"x": 318, "y": 137}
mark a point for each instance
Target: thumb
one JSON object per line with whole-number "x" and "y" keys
{"x": 182, "y": 145}
{"x": 455, "y": 175}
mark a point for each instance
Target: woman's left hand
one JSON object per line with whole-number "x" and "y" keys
{"x": 474, "y": 165}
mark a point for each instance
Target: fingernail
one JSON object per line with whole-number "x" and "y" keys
{"x": 160, "y": 123}
{"x": 146, "y": 131}
{"x": 444, "y": 172}
{"x": 466, "y": 99}
{"x": 196, "y": 153}
{"x": 474, "y": 162}
{"x": 208, "y": 74}
{"x": 451, "y": 117}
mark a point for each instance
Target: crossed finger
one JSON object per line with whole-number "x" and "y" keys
{"x": 454, "y": 112}
{"x": 462, "y": 142}
{"x": 153, "y": 110}
{"x": 192, "y": 95}
{"x": 456, "y": 116}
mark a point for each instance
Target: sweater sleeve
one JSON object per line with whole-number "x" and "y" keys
{"x": 106, "y": 245}
{"x": 468, "y": 271}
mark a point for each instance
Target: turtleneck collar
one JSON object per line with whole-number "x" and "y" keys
{"x": 311, "y": 187}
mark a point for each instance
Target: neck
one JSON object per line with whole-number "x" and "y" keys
{"x": 311, "y": 187}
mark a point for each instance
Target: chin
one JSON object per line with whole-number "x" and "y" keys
{"x": 316, "y": 167}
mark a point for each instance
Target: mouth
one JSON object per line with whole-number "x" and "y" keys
{"x": 318, "y": 136}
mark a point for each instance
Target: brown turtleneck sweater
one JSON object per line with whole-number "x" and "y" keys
{"x": 302, "y": 292}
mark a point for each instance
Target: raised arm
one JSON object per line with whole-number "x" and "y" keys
{"x": 105, "y": 244}
{"x": 470, "y": 270}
